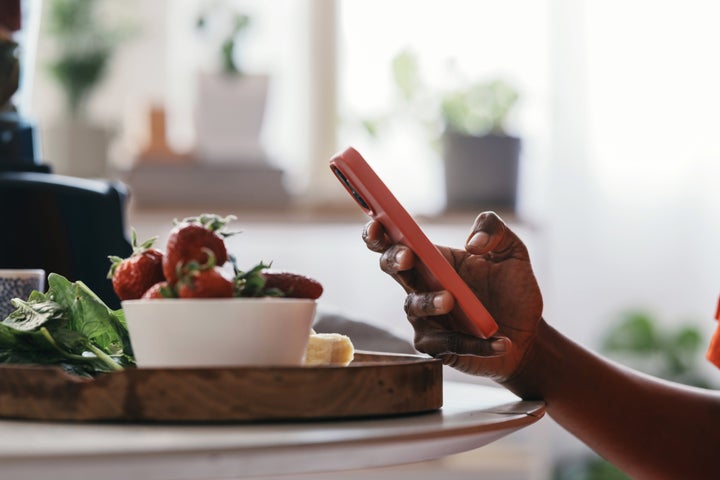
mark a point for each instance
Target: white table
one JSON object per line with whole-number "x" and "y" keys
{"x": 472, "y": 416}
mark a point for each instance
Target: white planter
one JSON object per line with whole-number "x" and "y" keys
{"x": 229, "y": 116}
{"x": 76, "y": 148}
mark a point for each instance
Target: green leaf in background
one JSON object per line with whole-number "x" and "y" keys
{"x": 587, "y": 467}
{"x": 82, "y": 49}
{"x": 463, "y": 105}
{"x": 479, "y": 109}
{"x": 635, "y": 333}
{"x": 640, "y": 341}
{"x": 406, "y": 74}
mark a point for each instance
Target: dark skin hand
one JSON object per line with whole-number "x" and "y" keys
{"x": 497, "y": 268}
{"x": 647, "y": 427}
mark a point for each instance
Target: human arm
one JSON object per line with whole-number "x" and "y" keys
{"x": 645, "y": 426}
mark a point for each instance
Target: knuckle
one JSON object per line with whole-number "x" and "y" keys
{"x": 396, "y": 258}
{"x": 407, "y": 305}
{"x": 387, "y": 262}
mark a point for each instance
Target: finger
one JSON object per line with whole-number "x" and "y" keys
{"x": 429, "y": 304}
{"x": 397, "y": 258}
{"x": 375, "y": 237}
{"x": 492, "y": 238}
{"x": 447, "y": 344}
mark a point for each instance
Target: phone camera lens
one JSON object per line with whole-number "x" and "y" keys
{"x": 350, "y": 188}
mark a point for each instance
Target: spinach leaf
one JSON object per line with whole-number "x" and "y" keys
{"x": 88, "y": 314}
{"x": 32, "y": 315}
{"x": 69, "y": 326}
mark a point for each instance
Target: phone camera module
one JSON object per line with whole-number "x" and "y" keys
{"x": 350, "y": 188}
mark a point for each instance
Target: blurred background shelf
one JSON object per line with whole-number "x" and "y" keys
{"x": 203, "y": 185}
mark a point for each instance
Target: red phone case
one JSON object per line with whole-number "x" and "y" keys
{"x": 376, "y": 200}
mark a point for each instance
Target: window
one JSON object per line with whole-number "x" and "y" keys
{"x": 475, "y": 39}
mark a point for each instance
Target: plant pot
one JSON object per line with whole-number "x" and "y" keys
{"x": 77, "y": 148}
{"x": 481, "y": 172}
{"x": 229, "y": 116}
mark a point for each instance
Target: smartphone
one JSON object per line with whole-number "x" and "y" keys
{"x": 377, "y": 201}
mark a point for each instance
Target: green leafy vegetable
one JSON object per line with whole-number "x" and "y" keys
{"x": 69, "y": 326}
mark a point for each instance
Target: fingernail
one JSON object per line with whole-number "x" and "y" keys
{"x": 479, "y": 240}
{"x": 399, "y": 257}
{"x": 499, "y": 345}
{"x": 438, "y": 302}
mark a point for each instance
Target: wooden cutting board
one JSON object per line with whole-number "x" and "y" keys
{"x": 374, "y": 384}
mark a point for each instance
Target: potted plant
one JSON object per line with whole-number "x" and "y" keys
{"x": 481, "y": 159}
{"x": 467, "y": 120}
{"x": 231, "y": 102}
{"x": 84, "y": 47}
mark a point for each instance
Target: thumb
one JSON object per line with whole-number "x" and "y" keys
{"x": 494, "y": 240}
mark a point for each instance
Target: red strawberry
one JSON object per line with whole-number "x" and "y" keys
{"x": 190, "y": 241}
{"x": 293, "y": 285}
{"x": 205, "y": 283}
{"x": 159, "y": 290}
{"x": 132, "y": 276}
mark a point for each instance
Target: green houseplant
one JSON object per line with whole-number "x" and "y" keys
{"x": 641, "y": 342}
{"x": 231, "y": 102}
{"x": 468, "y": 121}
{"x": 229, "y": 50}
{"x": 481, "y": 158}
{"x": 83, "y": 49}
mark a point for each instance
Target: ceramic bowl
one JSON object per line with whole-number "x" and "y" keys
{"x": 219, "y": 332}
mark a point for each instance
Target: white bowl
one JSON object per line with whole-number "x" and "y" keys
{"x": 219, "y": 332}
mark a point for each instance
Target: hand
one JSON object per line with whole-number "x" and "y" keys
{"x": 496, "y": 266}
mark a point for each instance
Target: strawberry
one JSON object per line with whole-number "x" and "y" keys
{"x": 190, "y": 240}
{"x": 133, "y": 275}
{"x": 159, "y": 290}
{"x": 292, "y": 284}
{"x": 205, "y": 283}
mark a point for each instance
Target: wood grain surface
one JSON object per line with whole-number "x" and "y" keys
{"x": 374, "y": 384}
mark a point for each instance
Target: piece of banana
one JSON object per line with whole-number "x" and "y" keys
{"x": 329, "y": 349}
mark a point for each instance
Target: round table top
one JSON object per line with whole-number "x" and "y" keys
{"x": 472, "y": 416}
